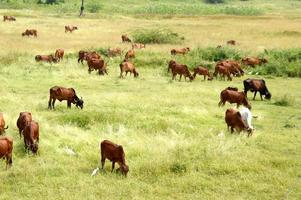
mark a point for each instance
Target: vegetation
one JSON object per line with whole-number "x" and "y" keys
{"x": 156, "y": 36}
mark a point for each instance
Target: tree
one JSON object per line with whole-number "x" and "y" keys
{"x": 82, "y": 9}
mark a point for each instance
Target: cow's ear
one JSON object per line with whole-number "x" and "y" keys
{"x": 238, "y": 114}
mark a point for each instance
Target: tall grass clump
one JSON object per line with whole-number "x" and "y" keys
{"x": 157, "y": 36}
{"x": 285, "y": 100}
{"x": 214, "y": 1}
{"x": 94, "y": 7}
{"x": 244, "y": 11}
{"x": 216, "y": 54}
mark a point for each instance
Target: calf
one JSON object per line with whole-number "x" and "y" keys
{"x": 181, "y": 70}
{"x": 257, "y": 85}
{"x": 126, "y": 67}
{"x": 8, "y": 18}
{"x": 112, "y": 52}
{"x": 2, "y": 124}
{"x": 125, "y": 38}
{"x": 234, "y": 120}
{"x": 29, "y": 32}
{"x": 6, "y": 150}
{"x": 114, "y": 153}
{"x": 182, "y": 51}
{"x": 233, "y": 96}
{"x": 252, "y": 61}
{"x": 138, "y": 46}
{"x": 70, "y": 28}
{"x": 97, "y": 64}
{"x": 46, "y": 58}
{"x": 59, "y": 54}
{"x": 31, "y": 136}
{"x": 24, "y": 119}
{"x": 201, "y": 71}
{"x": 130, "y": 54}
{"x": 231, "y": 42}
{"x": 61, "y": 94}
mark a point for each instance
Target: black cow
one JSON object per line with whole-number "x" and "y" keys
{"x": 257, "y": 85}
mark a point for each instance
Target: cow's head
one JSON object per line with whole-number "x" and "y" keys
{"x": 79, "y": 102}
{"x": 23, "y": 34}
{"x": 35, "y": 147}
{"x": 124, "y": 169}
{"x": 268, "y": 95}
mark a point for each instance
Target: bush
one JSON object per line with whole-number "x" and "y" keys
{"x": 178, "y": 168}
{"x": 214, "y": 1}
{"x": 156, "y": 36}
{"x": 246, "y": 11}
{"x": 216, "y": 54}
{"x": 285, "y": 100}
{"x": 94, "y": 8}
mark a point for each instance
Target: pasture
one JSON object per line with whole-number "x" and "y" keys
{"x": 175, "y": 139}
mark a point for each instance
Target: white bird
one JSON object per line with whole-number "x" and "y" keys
{"x": 95, "y": 171}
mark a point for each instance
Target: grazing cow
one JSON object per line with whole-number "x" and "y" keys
{"x": 2, "y": 124}
{"x": 46, "y": 58}
{"x": 181, "y": 70}
{"x": 257, "y": 85}
{"x": 59, "y": 54}
{"x": 222, "y": 71}
{"x": 251, "y": 61}
{"x": 30, "y": 32}
{"x": 70, "y": 28}
{"x": 231, "y": 42}
{"x": 8, "y": 18}
{"x": 130, "y": 54}
{"x": 114, "y": 153}
{"x": 138, "y": 46}
{"x": 97, "y": 64}
{"x": 126, "y": 67}
{"x": 31, "y": 136}
{"x": 112, "y": 52}
{"x": 84, "y": 55}
{"x": 235, "y": 121}
{"x": 201, "y": 71}
{"x": 23, "y": 120}
{"x": 6, "y": 150}
{"x": 61, "y": 94}
{"x": 233, "y": 96}
{"x": 182, "y": 51}
{"x": 233, "y": 67}
{"x": 125, "y": 38}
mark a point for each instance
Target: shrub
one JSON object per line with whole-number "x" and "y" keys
{"x": 156, "y": 36}
{"x": 178, "y": 168}
{"x": 242, "y": 11}
{"x": 285, "y": 100}
{"x": 94, "y": 8}
{"x": 214, "y": 1}
{"x": 216, "y": 54}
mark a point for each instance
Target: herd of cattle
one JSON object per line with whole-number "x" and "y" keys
{"x": 236, "y": 120}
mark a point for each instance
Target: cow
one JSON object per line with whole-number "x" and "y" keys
{"x": 59, "y": 54}
{"x": 84, "y": 55}
{"x": 6, "y": 150}
{"x": 24, "y": 119}
{"x": 31, "y": 136}
{"x": 233, "y": 96}
{"x": 112, "y": 52}
{"x": 235, "y": 121}
{"x": 201, "y": 71}
{"x": 181, "y": 70}
{"x": 138, "y": 46}
{"x": 182, "y": 51}
{"x": 222, "y": 71}
{"x": 8, "y": 18}
{"x": 233, "y": 67}
{"x": 97, "y": 64}
{"x": 125, "y": 38}
{"x": 61, "y": 93}
{"x": 70, "y": 28}
{"x": 114, "y": 153}
{"x": 46, "y": 58}
{"x": 256, "y": 85}
{"x": 130, "y": 54}
{"x": 231, "y": 42}
{"x": 2, "y": 124}
{"x": 29, "y": 32}
{"x": 253, "y": 61}
{"x": 126, "y": 67}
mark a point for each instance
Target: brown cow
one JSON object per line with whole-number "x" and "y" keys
{"x": 252, "y": 61}
{"x": 2, "y": 124}
{"x": 233, "y": 67}
{"x": 257, "y": 85}
{"x": 112, "y": 52}
{"x": 8, "y": 18}
{"x": 70, "y": 28}
{"x": 234, "y": 120}
{"x": 182, "y": 51}
{"x": 61, "y": 94}
{"x": 222, "y": 71}
{"x": 233, "y": 96}
{"x": 114, "y": 153}
{"x": 231, "y": 42}
{"x": 46, "y": 58}
{"x": 59, "y": 54}
{"x": 31, "y": 136}
{"x": 126, "y": 67}
{"x": 30, "y": 32}
{"x": 130, "y": 54}
{"x": 84, "y": 55}
{"x": 138, "y": 46}
{"x": 97, "y": 64}
{"x": 125, "y": 38}
{"x": 23, "y": 120}
{"x": 6, "y": 150}
{"x": 201, "y": 71}
{"x": 181, "y": 70}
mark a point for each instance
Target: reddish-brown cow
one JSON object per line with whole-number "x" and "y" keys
{"x": 126, "y": 67}
{"x": 6, "y": 150}
{"x": 46, "y": 58}
{"x": 130, "y": 54}
{"x": 70, "y": 28}
{"x": 59, "y": 54}
{"x": 202, "y": 71}
{"x": 125, "y": 38}
{"x": 23, "y": 120}
{"x": 29, "y": 32}
{"x": 182, "y": 51}
{"x": 234, "y": 120}
{"x": 2, "y": 124}
{"x": 31, "y": 136}
{"x": 8, "y": 18}
{"x": 61, "y": 93}
{"x": 233, "y": 96}
{"x": 97, "y": 64}
{"x": 252, "y": 61}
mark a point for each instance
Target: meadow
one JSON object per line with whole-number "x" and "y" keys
{"x": 176, "y": 141}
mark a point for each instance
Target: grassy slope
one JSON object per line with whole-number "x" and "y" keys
{"x": 173, "y": 133}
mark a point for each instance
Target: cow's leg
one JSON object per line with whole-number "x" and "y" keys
{"x": 103, "y": 160}
{"x": 180, "y": 77}
{"x": 68, "y": 104}
{"x": 126, "y": 73}
{"x": 49, "y": 103}
{"x": 121, "y": 75}
{"x": 89, "y": 70}
{"x": 254, "y": 95}
{"x": 232, "y": 130}
{"x": 204, "y": 77}
{"x": 261, "y": 96}
{"x": 53, "y": 101}
{"x": 173, "y": 76}
{"x": 113, "y": 166}
{"x": 237, "y": 105}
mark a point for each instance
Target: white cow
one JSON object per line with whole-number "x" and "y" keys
{"x": 246, "y": 116}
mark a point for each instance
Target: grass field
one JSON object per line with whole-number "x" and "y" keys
{"x": 174, "y": 135}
